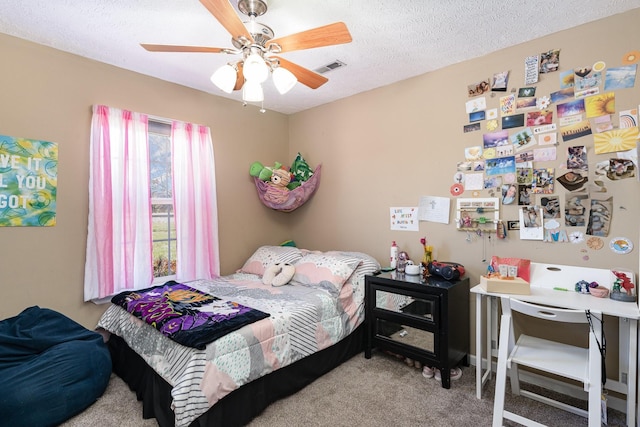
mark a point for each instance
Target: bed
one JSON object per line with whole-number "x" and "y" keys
{"x": 314, "y": 323}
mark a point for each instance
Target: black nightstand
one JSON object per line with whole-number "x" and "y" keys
{"x": 427, "y": 321}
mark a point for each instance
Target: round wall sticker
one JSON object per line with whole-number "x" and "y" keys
{"x": 456, "y": 189}
{"x": 599, "y": 66}
{"x": 595, "y": 243}
{"x": 621, "y": 245}
{"x": 631, "y": 57}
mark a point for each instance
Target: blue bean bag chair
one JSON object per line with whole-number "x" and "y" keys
{"x": 51, "y": 368}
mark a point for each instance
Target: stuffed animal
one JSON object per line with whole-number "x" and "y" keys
{"x": 300, "y": 169}
{"x": 262, "y": 172}
{"x": 278, "y": 274}
{"x": 277, "y": 192}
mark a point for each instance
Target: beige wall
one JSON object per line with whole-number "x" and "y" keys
{"x": 389, "y": 146}
{"x": 47, "y": 95}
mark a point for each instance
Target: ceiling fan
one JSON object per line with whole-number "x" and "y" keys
{"x": 259, "y": 50}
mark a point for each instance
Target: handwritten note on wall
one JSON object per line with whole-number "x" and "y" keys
{"x": 404, "y": 219}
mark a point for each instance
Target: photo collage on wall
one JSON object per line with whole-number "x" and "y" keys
{"x": 538, "y": 151}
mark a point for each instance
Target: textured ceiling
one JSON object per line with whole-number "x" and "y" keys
{"x": 392, "y": 40}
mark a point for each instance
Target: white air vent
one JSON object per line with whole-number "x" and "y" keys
{"x": 332, "y": 66}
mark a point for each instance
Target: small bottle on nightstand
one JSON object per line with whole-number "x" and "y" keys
{"x": 393, "y": 255}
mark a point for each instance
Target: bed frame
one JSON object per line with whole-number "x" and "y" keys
{"x": 240, "y": 406}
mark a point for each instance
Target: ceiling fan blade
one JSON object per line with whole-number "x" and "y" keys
{"x": 174, "y": 48}
{"x": 227, "y": 16}
{"x": 327, "y": 35}
{"x": 304, "y": 76}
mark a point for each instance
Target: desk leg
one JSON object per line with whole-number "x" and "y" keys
{"x": 479, "y": 346}
{"x": 633, "y": 372}
{"x": 490, "y": 337}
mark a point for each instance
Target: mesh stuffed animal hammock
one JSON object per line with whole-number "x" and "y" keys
{"x": 291, "y": 199}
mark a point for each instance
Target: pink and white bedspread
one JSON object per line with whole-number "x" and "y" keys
{"x": 304, "y": 318}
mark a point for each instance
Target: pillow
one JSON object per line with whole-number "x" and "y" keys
{"x": 266, "y": 256}
{"x": 325, "y": 269}
{"x": 368, "y": 264}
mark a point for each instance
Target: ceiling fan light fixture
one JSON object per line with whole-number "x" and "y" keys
{"x": 284, "y": 80}
{"x": 255, "y": 69}
{"x": 252, "y": 92}
{"x": 225, "y": 78}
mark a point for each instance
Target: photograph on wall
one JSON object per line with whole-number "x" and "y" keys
{"x": 477, "y": 104}
{"x": 476, "y": 116}
{"x": 621, "y": 169}
{"x": 531, "y": 223}
{"x": 571, "y": 108}
{"x": 539, "y": 118}
{"x": 514, "y": 121}
{"x": 585, "y": 78}
{"x": 524, "y": 195}
{"x": 577, "y": 157}
{"x": 524, "y": 173}
{"x": 576, "y": 130}
{"x": 600, "y": 217}
{"x": 524, "y": 156}
{"x": 473, "y": 153}
{"x": 600, "y": 105}
{"x": 523, "y": 140}
{"x": 550, "y": 61}
{"x": 574, "y": 180}
{"x": 620, "y": 77}
{"x": 500, "y": 81}
{"x": 567, "y": 79}
{"x": 492, "y": 182}
{"x": 542, "y": 181}
{"x": 28, "y": 182}
{"x": 525, "y": 104}
{"x": 550, "y": 207}
{"x": 471, "y": 128}
{"x": 495, "y": 139}
{"x": 509, "y": 193}
{"x": 575, "y": 210}
{"x": 562, "y": 94}
{"x": 500, "y": 166}
{"x": 615, "y": 140}
{"x": 464, "y": 166}
{"x": 527, "y": 92}
{"x": 479, "y": 88}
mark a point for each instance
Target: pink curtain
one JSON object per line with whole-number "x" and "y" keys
{"x": 194, "y": 202}
{"x": 119, "y": 242}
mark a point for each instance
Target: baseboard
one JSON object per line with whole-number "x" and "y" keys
{"x": 559, "y": 386}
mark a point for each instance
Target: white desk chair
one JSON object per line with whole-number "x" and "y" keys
{"x": 577, "y": 363}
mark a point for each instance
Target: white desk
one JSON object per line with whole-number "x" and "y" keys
{"x": 627, "y": 313}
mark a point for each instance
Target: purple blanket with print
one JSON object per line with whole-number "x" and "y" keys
{"x": 186, "y": 315}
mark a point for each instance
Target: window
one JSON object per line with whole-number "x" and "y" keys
{"x": 152, "y": 203}
{"x": 163, "y": 219}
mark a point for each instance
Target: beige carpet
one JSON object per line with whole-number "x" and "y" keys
{"x": 382, "y": 391}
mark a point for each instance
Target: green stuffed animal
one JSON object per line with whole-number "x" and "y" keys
{"x": 300, "y": 169}
{"x": 258, "y": 170}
